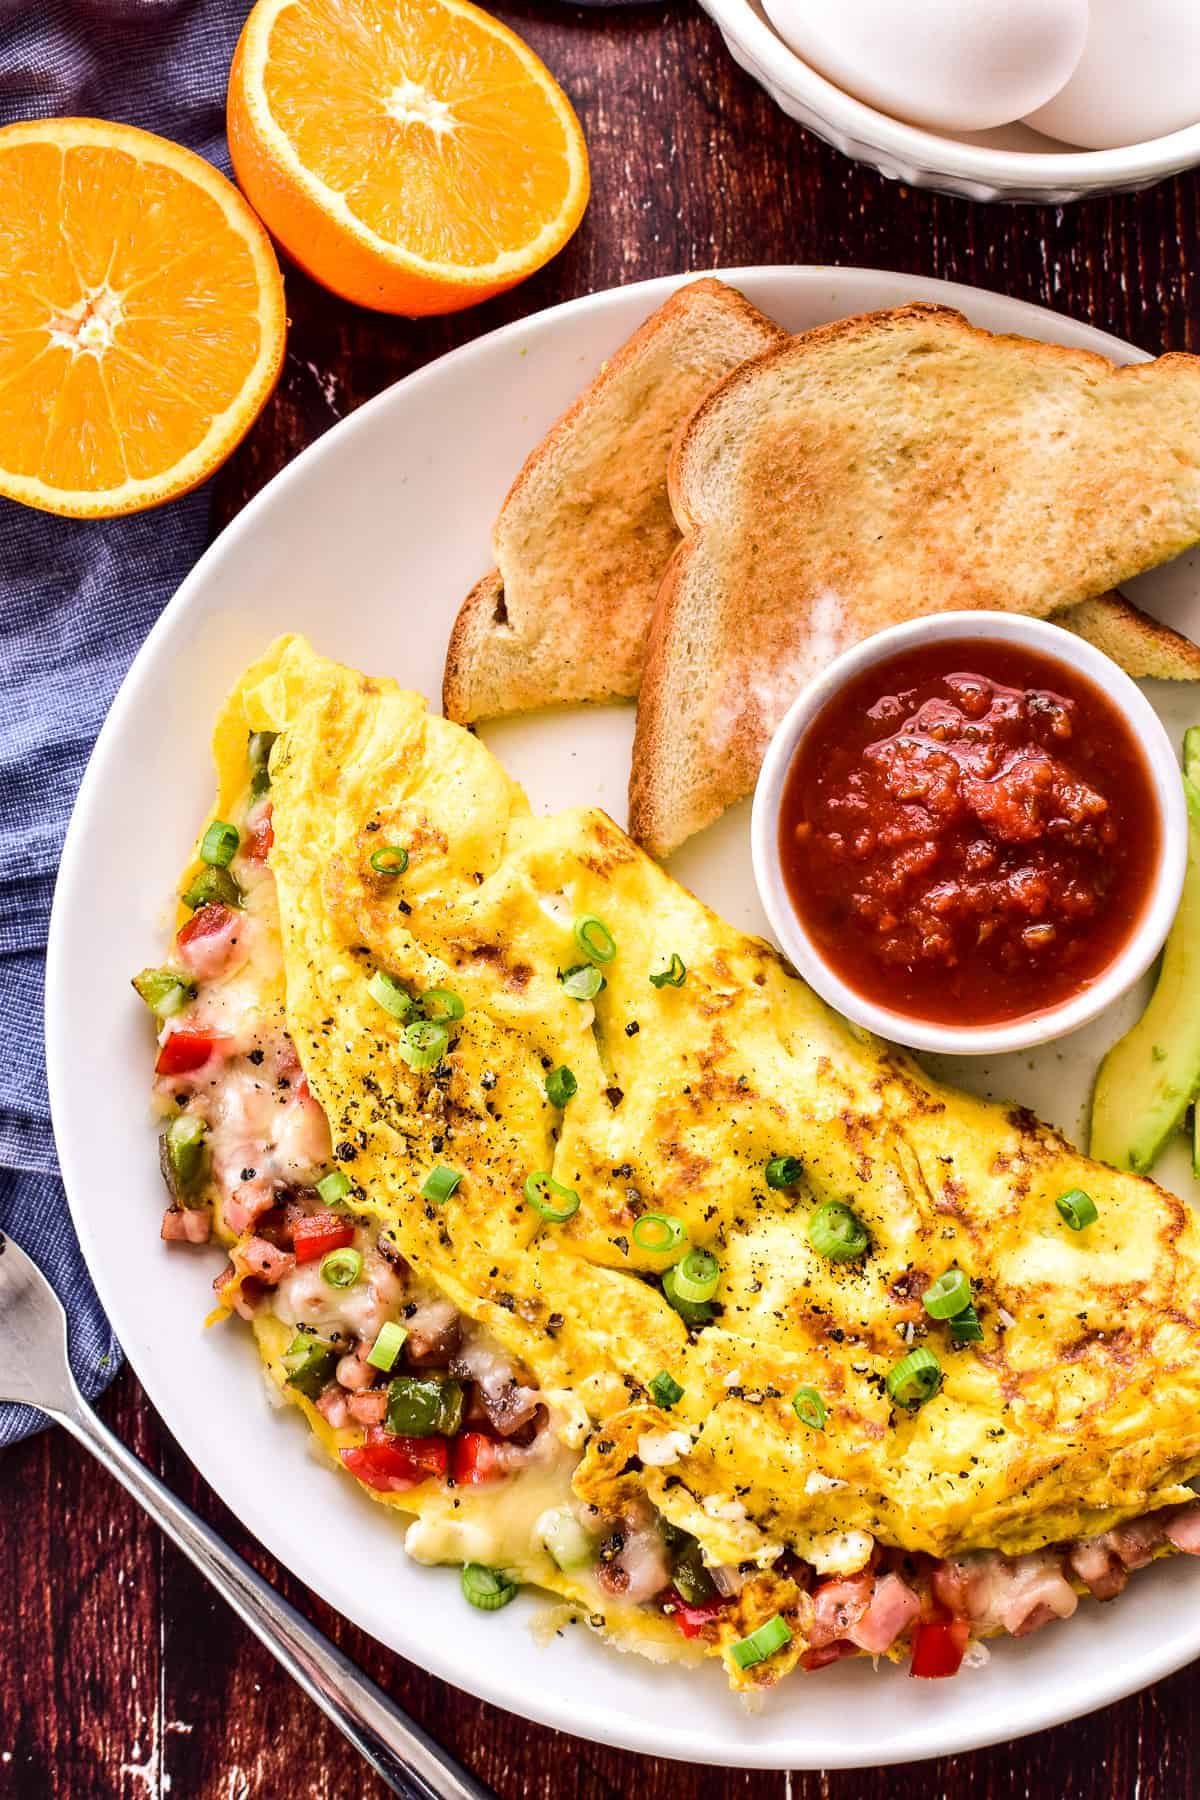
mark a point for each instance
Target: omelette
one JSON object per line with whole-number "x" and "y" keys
{"x": 589, "y": 1240}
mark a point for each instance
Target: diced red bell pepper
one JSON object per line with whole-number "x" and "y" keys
{"x": 184, "y": 1051}
{"x": 474, "y": 1458}
{"x": 390, "y": 1463}
{"x": 318, "y": 1234}
{"x": 938, "y": 1647}
{"x": 259, "y": 838}
{"x": 691, "y": 1618}
{"x": 206, "y": 921}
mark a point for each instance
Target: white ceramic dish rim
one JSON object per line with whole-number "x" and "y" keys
{"x": 1161, "y": 905}
{"x": 1079, "y": 170}
{"x": 807, "y": 1745}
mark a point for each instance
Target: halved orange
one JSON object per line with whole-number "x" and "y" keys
{"x": 142, "y": 318}
{"x": 412, "y": 155}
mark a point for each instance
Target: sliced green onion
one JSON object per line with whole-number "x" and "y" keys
{"x": 555, "y": 1202}
{"x": 696, "y": 1276}
{"x": 965, "y": 1327}
{"x": 390, "y": 859}
{"x": 565, "y": 1538}
{"x": 672, "y": 976}
{"x": 583, "y": 982}
{"x": 665, "y": 1391}
{"x": 310, "y": 1362}
{"x": 424, "y": 1406}
{"x": 488, "y": 1589}
{"x": 219, "y": 844}
{"x": 387, "y": 1347}
{"x": 181, "y": 1153}
{"x": 163, "y": 992}
{"x": 916, "y": 1379}
{"x": 561, "y": 1085}
{"x": 423, "y": 1044}
{"x": 689, "y": 1311}
{"x": 341, "y": 1268}
{"x": 595, "y": 939}
{"x": 440, "y": 1183}
{"x": 761, "y": 1644}
{"x": 391, "y": 995}
{"x": 334, "y": 1186}
{"x": 1077, "y": 1209}
{"x": 837, "y": 1233}
{"x": 258, "y": 752}
{"x": 783, "y": 1171}
{"x": 809, "y": 1408}
{"x": 441, "y": 1005}
{"x": 213, "y": 887}
{"x": 948, "y": 1296}
{"x": 690, "y": 1576}
{"x": 659, "y": 1233}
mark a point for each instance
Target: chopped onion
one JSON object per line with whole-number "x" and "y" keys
{"x": 728, "y": 1580}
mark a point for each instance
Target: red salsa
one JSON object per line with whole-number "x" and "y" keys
{"x": 969, "y": 833}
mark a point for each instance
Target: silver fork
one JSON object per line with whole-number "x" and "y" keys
{"x": 34, "y": 1370}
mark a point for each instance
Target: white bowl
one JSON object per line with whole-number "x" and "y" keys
{"x": 1011, "y": 163}
{"x": 1140, "y": 948}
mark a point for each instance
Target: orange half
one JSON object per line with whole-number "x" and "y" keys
{"x": 142, "y": 319}
{"x": 412, "y": 155}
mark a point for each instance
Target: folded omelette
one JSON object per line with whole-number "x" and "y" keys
{"x": 586, "y": 1237}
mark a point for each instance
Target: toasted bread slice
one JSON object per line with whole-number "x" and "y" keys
{"x": 583, "y": 538}
{"x": 886, "y": 466}
{"x": 1139, "y": 644}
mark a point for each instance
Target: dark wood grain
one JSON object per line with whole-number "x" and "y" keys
{"x": 120, "y": 1675}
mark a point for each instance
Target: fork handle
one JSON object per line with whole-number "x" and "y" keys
{"x": 410, "y": 1762}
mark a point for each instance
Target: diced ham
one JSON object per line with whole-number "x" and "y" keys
{"x": 187, "y": 1224}
{"x": 215, "y": 941}
{"x": 264, "y": 1261}
{"x": 1017, "y": 1594}
{"x": 1136, "y": 1540}
{"x": 1036, "y": 1592}
{"x": 247, "y": 1204}
{"x": 1098, "y": 1567}
{"x": 506, "y": 1403}
{"x": 369, "y": 1408}
{"x": 825, "y": 1654}
{"x": 332, "y": 1406}
{"x": 891, "y": 1611}
{"x": 434, "y": 1334}
{"x": 354, "y": 1371}
{"x": 838, "y": 1606}
{"x": 247, "y": 1296}
{"x": 1183, "y": 1529}
{"x": 634, "y": 1564}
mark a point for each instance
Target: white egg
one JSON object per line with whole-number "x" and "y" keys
{"x": 1138, "y": 77}
{"x": 954, "y": 65}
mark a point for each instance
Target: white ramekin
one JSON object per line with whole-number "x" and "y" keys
{"x": 977, "y": 169}
{"x": 1140, "y": 948}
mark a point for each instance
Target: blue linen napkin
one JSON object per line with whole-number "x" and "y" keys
{"x": 76, "y": 600}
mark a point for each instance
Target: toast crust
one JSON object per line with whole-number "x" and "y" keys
{"x": 586, "y": 528}
{"x": 1144, "y": 647}
{"x": 1041, "y": 477}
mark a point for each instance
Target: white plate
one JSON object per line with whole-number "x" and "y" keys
{"x": 367, "y": 543}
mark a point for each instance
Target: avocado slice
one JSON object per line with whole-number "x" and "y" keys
{"x": 1148, "y": 1079}
{"x": 1191, "y": 768}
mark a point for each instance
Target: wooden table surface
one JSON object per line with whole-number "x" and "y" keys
{"x": 120, "y": 1674}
